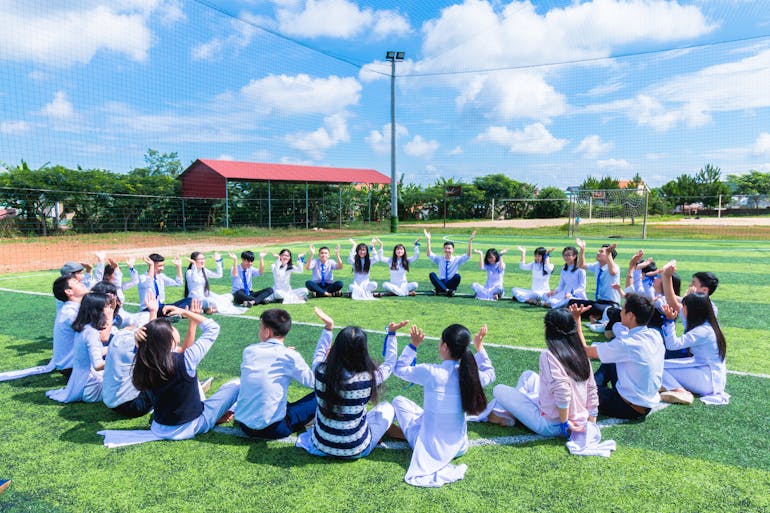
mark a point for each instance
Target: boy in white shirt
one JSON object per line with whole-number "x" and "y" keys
{"x": 262, "y": 410}
{"x": 632, "y": 363}
{"x": 448, "y": 278}
{"x": 322, "y": 284}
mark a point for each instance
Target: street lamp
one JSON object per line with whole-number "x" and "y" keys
{"x": 393, "y": 57}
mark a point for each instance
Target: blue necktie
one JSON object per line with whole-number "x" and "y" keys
{"x": 323, "y": 275}
{"x": 446, "y": 270}
{"x": 245, "y": 282}
{"x": 598, "y": 282}
{"x": 157, "y": 291}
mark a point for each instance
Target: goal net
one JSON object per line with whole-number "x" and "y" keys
{"x": 609, "y": 213}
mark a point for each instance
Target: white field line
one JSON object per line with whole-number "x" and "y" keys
{"x": 383, "y": 332}
{"x": 25, "y": 276}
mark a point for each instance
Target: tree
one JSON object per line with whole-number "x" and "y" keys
{"x": 607, "y": 182}
{"x": 555, "y": 206}
{"x": 161, "y": 164}
{"x": 497, "y": 187}
{"x": 754, "y": 185}
{"x": 710, "y": 185}
{"x": 34, "y": 192}
{"x": 684, "y": 189}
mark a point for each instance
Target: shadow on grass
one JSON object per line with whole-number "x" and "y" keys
{"x": 42, "y": 343}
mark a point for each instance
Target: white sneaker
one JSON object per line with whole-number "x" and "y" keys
{"x": 677, "y": 397}
{"x": 206, "y": 385}
{"x": 597, "y": 327}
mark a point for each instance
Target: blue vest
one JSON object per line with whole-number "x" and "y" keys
{"x": 178, "y": 401}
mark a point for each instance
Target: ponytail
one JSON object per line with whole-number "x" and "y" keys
{"x": 458, "y": 339}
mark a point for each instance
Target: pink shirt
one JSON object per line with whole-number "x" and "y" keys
{"x": 558, "y": 389}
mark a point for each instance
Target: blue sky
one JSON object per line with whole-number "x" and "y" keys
{"x": 544, "y": 92}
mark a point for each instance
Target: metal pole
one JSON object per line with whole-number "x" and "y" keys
{"x": 269, "y": 208}
{"x": 646, "y": 207}
{"x": 393, "y": 188}
{"x": 227, "y": 206}
{"x": 307, "y": 208}
{"x": 339, "y": 187}
{"x": 445, "y": 206}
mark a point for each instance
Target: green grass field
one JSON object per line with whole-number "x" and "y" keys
{"x": 698, "y": 458}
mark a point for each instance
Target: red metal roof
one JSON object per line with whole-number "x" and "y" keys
{"x": 232, "y": 170}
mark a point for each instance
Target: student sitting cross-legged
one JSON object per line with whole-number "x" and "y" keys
{"x": 346, "y": 379}
{"x": 267, "y": 369}
{"x": 322, "y": 284}
{"x": 448, "y": 279}
{"x": 632, "y": 362}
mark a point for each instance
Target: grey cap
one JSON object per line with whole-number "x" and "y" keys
{"x": 71, "y": 267}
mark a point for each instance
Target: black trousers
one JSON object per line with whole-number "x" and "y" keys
{"x": 444, "y": 285}
{"x": 258, "y": 296}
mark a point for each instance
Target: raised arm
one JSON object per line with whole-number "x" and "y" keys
{"x": 262, "y": 255}
{"x": 486, "y": 370}
{"x": 577, "y": 311}
{"x": 234, "y": 270}
{"x": 427, "y": 242}
{"x": 311, "y": 253}
{"x": 470, "y": 243}
{"x": 581, "y": 262}
{"x": 178, "y": 263}
{"x": 668, "y": 285}
{"x": 611, "y": 265}
{"x": 337, "y": 255}
{"x": 481, "y": 258}
{"x": 523, "y": 252}
{"x": 391, "y": 352}
{"x": 325, "y": 340}
{"x": 404, "y": 369}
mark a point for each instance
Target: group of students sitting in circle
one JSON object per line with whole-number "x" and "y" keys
{"x": 136, "y": 363}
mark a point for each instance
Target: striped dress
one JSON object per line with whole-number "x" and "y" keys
{"x": 342, "y": 431}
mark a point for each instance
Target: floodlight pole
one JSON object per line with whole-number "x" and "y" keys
{"x": 393, "y": 57}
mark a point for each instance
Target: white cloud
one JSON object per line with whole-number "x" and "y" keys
{"x": 513, "y": 94}
{"x": 302, "y": 94}
{"x": 387, "y": 23}
{"x": 614, "y": 164}
{"x": 63, "y": 35}
{"x": 338, "y": 18}
{"x": 690, "y": 99}
{"x": 419, "y": 147}
{"x": 534, "y": 138}
{"x": 225, "y": 156}
{"x": 380, "y": 141}
{"x": 474, "y": 35}
{"x": 648, "y": 111}
{"x": 14, "y": 127}
{"x": 593, "y": 146}
{"x": 60, "y": 107}
{"x": 457, "y": 150}
{"x": 315, "y": 143}
{"x": 762, "y": 144}
{"x": 240, "y": 36}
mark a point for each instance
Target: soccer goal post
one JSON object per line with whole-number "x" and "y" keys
{"x": 609, "y": 212}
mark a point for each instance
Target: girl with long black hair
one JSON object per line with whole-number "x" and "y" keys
{"x": 437, "y": 432}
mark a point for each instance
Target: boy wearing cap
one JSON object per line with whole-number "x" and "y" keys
{"x": 69, "y": 291}
{"x": 81, "y": 272}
